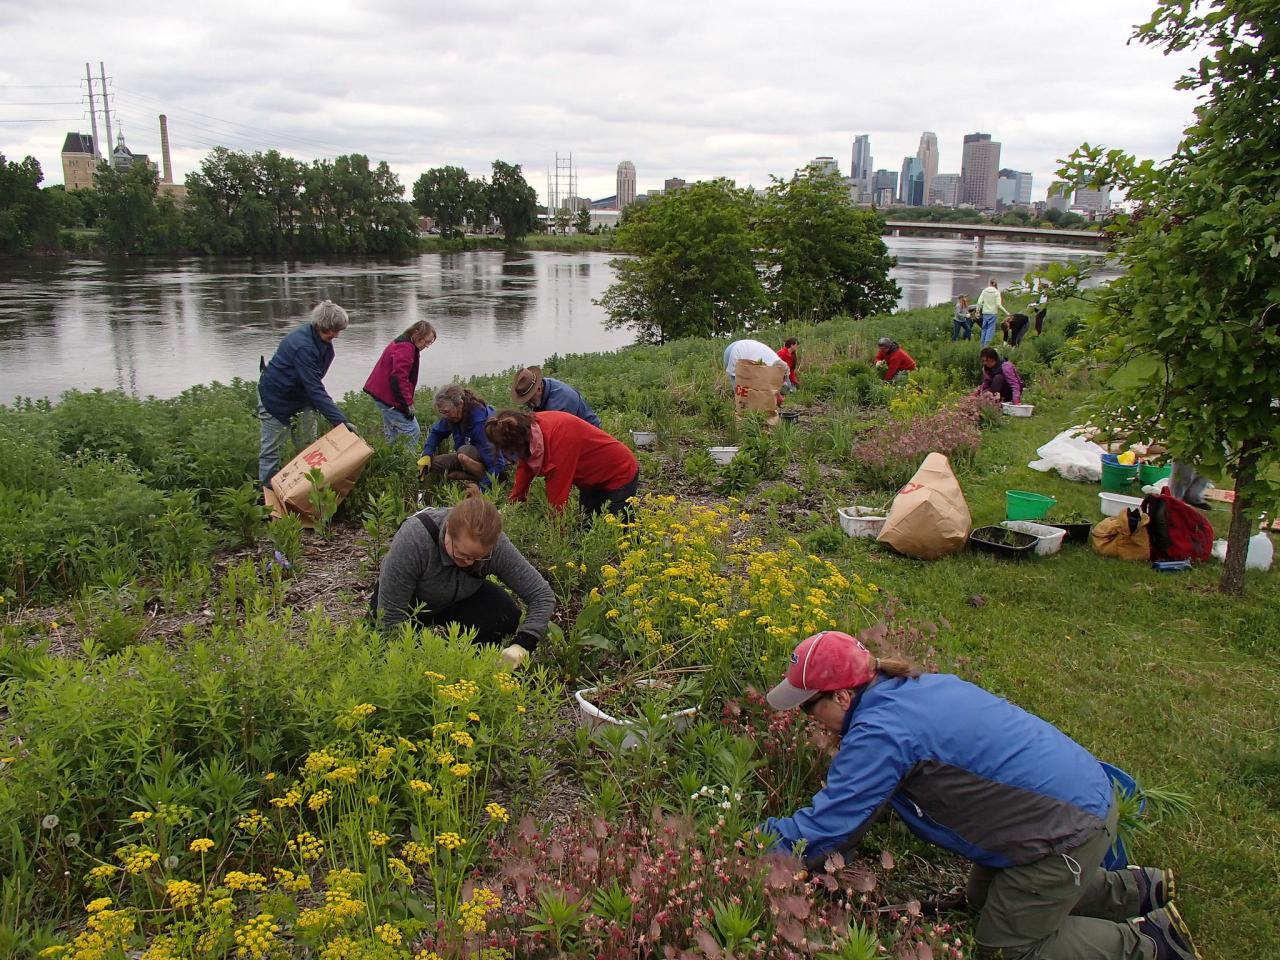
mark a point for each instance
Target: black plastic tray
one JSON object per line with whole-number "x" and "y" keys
{"x": 1076, "y": 532}
{"x": 1026, "y": 543}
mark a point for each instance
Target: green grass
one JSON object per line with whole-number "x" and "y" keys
{"x": 1156, "y": 673}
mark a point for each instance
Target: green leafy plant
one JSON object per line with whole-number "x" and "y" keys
{"x": 323, "y": 500}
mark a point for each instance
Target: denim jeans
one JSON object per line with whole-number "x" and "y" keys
{"x": 396, "y": 425}
{"x": 988, "y": 328}
{"x": 959, "y": 327}
{"x": 272, "y": 436}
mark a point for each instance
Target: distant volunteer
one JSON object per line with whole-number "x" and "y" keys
{"x": 753, "y": 351}
{"x": 293, "y": 383}
{"x": 790, "y": 354}
{"x": 436, "y": 573}
{"x": 989, "y": 304}
{"x": 1032, "y": 809}
{"x": 893, "y": 360}
{"x": 394, "y": 381}
{"x": 474, "y": 459}
{"x": 531, "y": 389}
{"x": 1014, "y": 328}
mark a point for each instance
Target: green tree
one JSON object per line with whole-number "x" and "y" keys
{"x": 30, "y": 218}
{"x": 826, "y": 255}
{"x": 1197, "y": 312}
{"x": 694, "y": 272}
{"x": 450, "y": 197}
{"x": 582, "y": 222}
{"x": 128, "y": 212}
{"x": 510, "y": 198}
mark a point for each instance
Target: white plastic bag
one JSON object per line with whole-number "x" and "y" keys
{"x": 1260, "y": 556}
{"x": 1072, "y": 456}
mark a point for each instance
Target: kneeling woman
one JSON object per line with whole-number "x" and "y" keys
{"x": 437, "y": 571}
{"x": 569, "y": 452}
{"x": 973, "y": 773}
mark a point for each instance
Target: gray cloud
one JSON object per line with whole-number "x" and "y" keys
{"x": 739, "y": 89}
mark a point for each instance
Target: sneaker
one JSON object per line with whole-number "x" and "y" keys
{"x": 1155, "y": 886}
{"x": 1168, "y": 932}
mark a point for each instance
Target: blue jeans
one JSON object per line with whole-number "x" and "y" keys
{"x": 988, "y": 328}
{"x": 959, "y": 326}
{"x": 396, "y": 425}
{"x": 272, "y": 437}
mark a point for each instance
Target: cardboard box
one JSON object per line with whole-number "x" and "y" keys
{"x": 340, "y": 455}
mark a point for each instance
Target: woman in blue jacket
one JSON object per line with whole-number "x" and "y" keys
{"x": 973, "y": 773}
{"x": 462, "y": 417}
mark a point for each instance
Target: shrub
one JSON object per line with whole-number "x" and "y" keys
{"x": 891, "y": 453}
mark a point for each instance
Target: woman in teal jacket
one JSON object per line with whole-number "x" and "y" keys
{"x": 973, "y": 773}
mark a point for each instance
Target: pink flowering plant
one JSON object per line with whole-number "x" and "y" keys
{"x": 890, "y": 453}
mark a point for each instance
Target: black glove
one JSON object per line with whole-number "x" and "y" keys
{"x": 352, "y": 427}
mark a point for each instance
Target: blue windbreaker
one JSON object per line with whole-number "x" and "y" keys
{"x": 558, "y": 395}
{"x": 962, "y": 767}
{"x": 469, "y": 431}
{"x": 294, "y": 379}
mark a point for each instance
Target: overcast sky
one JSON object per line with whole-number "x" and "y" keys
{"x": 736, "y": 89}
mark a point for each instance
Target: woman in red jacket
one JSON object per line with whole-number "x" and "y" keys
{"x": 897, "y": 363}
{"x": 395, "y": 379}
{"x": 569, "y": 452}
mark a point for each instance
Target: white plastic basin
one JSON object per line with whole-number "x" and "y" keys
{"x": 722, "y": 455}
{"x": 1113, "y": 503}
{"x": 594, "y": 719}
{"x": 643, "y": 439}
{"x": 1048, "y": 539}
{"x": 861, "y": 521}
{"x": 1017, "y": 409}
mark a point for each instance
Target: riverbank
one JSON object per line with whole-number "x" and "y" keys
{"x": 1134, "y": 664}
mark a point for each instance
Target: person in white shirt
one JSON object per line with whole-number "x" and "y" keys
{"x": 755, "y": 352}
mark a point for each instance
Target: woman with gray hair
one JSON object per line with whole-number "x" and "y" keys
{"x": 293, "y": 383}
{"x": 895, "y": 361}
{"x": 474, "y": 459}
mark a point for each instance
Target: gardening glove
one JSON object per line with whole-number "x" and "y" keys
{"x": 514, "y": 656}
{"x": 352, "y": 427}
{"x": 424, "y": 467}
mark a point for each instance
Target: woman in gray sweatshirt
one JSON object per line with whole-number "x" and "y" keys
{"x": 437, "y": 571}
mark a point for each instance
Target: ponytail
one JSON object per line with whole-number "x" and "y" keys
{"x": 899, "y": 667}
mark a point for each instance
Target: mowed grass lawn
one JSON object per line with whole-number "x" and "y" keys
{"x": 1154, "y": 672}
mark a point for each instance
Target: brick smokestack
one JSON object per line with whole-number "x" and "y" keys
{"x": 164, "y": 149}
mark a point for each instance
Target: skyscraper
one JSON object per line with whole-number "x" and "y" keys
{"x": 979, "y": 167}
{"x": 1093, "y": 200}
{"x": 945, "y": 190}
{"x": 1013, "y": 188}
{"x": 884, "y": 187}
{"x": 911, "y": 182}
{"x": 824, "y": 166}
{"x": 860, "y": 169}
{"x": 626, "y": 184}
{"x": 927, "y": 153}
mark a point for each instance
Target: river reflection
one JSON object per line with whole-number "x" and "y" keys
{"x": 152, "y": 327}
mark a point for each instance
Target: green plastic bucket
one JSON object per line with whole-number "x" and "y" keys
{"x": 1021, "y": 505}
{"x": 1118, "y": 478}
{"x": 1150, "y": 473}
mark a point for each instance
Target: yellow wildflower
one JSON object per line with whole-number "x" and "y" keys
{"x": 257, "y": 936}
{"x": 201, "y": 845}
{"x": 462, "y": 738}
{"x": 319, "y": 799}
{"x": 461, "y": 770}
{"x": 450, "y": 840}
{"x": 251, "y": 882}
{"x": 378, "y": 839}
{"x": 306, "y": 846}
{"x": 420, "y": 786}
{"x": 94, "y": 906}
{"x": 182, "y": 893}
{"x": 497, "y": 812}
{"x": 388, "y": 934}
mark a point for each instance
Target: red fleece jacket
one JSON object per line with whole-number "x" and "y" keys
{"x": 898, "y": 361}
{"x": 575, "y": 454}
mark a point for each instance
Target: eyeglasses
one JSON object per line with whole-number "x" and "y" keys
{"x": 462, "y": 557}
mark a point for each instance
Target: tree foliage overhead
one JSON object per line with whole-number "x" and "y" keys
{"x": 1199, "y": 304}
{"x": 826, "y": 255}
{"x": 694, "y": 273}
{"x": 510, "y": 198}
{"x": 451, "y": 198}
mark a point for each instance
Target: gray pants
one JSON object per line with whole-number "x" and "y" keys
{"x": 272, "y": 434}
{"x": 1062, "y": 907}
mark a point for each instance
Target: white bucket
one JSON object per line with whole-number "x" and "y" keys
{"x": 643, "y": 439}
{"x": 594, "y": 719}
{"x": 861, "y": 521}
{"x": 1113, "y": 503}
{"x": 722, "y": 455}
{"x": 1017, "y": 409}
{"x": 1049, "y": 539}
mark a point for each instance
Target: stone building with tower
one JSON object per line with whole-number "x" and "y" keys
{"x": 80, "y": 160}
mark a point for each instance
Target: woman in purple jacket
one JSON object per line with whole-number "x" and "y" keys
{"x": 395, "y": 379}
{"x": 999, "y": 377}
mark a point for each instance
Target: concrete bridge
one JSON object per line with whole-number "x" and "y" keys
{"x": 980, "y": 231}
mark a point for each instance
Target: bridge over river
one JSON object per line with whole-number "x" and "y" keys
{"x": 980, "y": 231}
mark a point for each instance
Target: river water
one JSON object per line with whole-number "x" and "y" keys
{"x": 151, "y": 327}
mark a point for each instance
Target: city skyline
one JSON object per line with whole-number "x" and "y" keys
{"x": 744, "y": 96}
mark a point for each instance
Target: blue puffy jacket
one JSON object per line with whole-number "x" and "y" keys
{"x": 294, "y": 379}
{"x": 469, "y": 431}
{"x": 963, "y": 768}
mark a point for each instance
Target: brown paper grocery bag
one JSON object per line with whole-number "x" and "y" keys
{"x": 756, "y": 387}
{"x": 929, "y": 517}
{"x": 340, "y": 455}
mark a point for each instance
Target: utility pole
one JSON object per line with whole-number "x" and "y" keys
{"x": 106, "y": 113}
{"x": 93, "y": 113}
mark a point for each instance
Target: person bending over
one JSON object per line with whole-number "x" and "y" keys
{"x": 999, "y": 377}
{"x": 893, "y": 360}
{"x": 437, "y": 572}
{"x": 474, "y": 459}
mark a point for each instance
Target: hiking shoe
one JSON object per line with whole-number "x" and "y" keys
{"x": 1166, "y": 929}
{"x": 1155, "y": 886}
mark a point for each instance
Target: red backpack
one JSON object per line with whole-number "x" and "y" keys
{"x": 1178, "y": 530}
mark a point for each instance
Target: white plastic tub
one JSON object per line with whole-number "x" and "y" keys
{"x": 1048, "y": 539}
{"x": 1113, "y": 503}
{"x": 861, "y": 521}
{"x": 722, "y": 455}
{"x": 1017, "y": 409}
{"x": 595, "y": 719}
{"x": 644, "y": 439}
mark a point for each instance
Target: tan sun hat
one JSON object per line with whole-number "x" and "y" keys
{"x": 526, "y": 384}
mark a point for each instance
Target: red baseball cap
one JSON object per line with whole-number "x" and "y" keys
{"x": 823, "y": 662}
